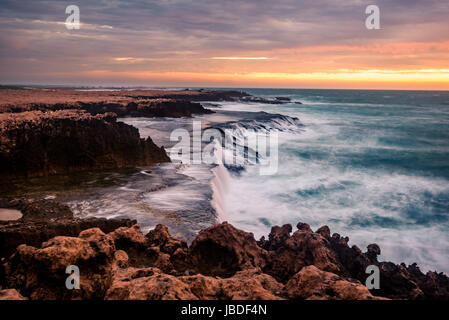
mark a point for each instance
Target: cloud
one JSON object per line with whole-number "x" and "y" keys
{"x": 240, "y": 58}
{"x": 209, "y": 36}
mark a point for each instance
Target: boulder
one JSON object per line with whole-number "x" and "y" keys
{"x": 312, "y": 283}
{"x": 40, "y": 273}
{"x": 223, "y": 250}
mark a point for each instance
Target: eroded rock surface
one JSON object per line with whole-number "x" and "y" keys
{"x": 223, "y": 262}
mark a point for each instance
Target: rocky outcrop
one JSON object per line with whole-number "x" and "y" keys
{"x": 40, "y": 273}
{"x": 43, "y": 143}
{"x": 312, "y": 283}
{"x": 223, "y": 250}
{"x": 222, "y": 263}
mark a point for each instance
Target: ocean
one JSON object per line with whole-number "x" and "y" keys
{"x": 372, "y": 165}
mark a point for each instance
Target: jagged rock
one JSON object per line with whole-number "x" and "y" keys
{"x": 222, "y": 263}
{"x": 223, "y": 250}
{"x": 312, "y": 283}
{"x": 373, "y": 251}
{"x": 39, "y": 143}
{"x": 303, "y": 227}
{"x": 40, "y": 273}
{"x": 11, "y": 294}
{"x": 324, "y": 231}
{"x": 156, "y": 249}
{"x": 277, "y": 237}
{"x": 302, "y": 249}
{"x": 434, "y": 285}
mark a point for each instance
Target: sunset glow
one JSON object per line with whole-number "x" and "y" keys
{"x": 292, "y": 44}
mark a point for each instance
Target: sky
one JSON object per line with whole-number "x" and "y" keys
{"x": 227, "y": 43}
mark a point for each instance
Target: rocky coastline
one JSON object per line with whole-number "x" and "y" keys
{"x": 56, "y": 131}
{"x": 52, "y": 131}
{"x": 117, "y": 262}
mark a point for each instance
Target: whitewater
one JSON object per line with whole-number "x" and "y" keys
{"x": 372, "y": 165}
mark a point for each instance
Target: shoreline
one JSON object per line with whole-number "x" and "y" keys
{"x": 276, "y": 265}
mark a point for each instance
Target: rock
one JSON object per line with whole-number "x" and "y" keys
{"x": 156, "y": 249}
{"x": 312, "y": 283}
{"x": 283, "y": 99}
{"x": 148, "y": 284}
{"x": 373, "y": 251}
{"x": 303, "y": 227}
{"x": 40, "y": 273}
{"x": 45, "y": 219}
{"x": 39, "y": 143}
{"x": 252, "y": 99}
{"x": 324, "y": 231}
{"x": 11, "y": 294}
{"x": 222, "y": 263}
{"x": 38, "y": 210}
{"x": 223, "y": 250}
{"x": 277, "y": 237}
{"x": 302, "y": 249}
{"x": 396, "y": 281}
{"x": 249, "y": 284}
{"x": 121, "y": 259}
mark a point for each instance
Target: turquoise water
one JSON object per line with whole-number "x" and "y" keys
{"x": 372, "y": 165}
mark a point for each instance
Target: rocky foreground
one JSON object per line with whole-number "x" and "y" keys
{"x": 117, "y": 261}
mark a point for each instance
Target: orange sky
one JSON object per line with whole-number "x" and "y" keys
{"x": 288, "y": 44}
